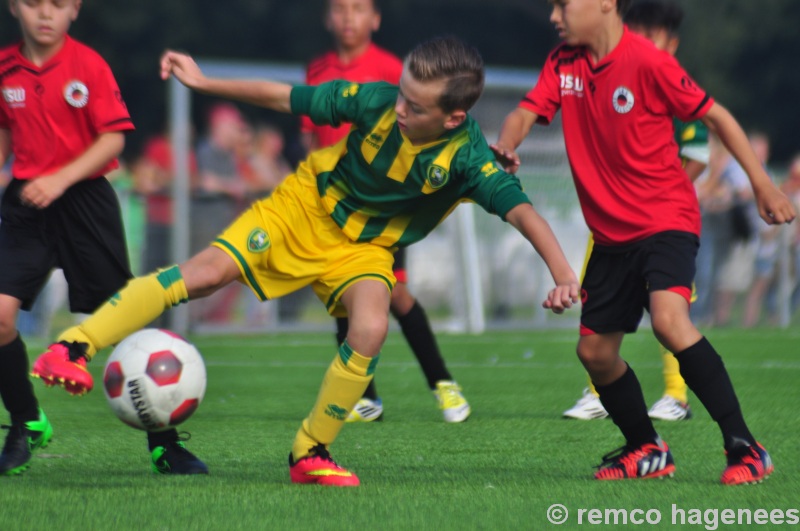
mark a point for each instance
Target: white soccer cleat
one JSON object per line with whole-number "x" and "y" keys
{"x": 366, "y": 410}
{"x": 669, "y": 408}
{"x": 588, "y": 407}
{"x": 452, "y": 403}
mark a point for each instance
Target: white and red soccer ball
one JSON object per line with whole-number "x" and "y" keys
{"x": 154, "y": 380}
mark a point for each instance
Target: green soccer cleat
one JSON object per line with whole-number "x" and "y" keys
{"x": 21, "y": 441}
{"x": 174, "y": 458}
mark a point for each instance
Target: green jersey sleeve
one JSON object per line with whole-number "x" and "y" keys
{"x": 337, "y": 102}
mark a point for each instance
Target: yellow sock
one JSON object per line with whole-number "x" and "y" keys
{"x": 137, "y": 304}
{"x": 674, "y": 384}
{"x": 344, "y": 384}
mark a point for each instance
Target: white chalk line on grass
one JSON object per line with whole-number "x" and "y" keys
{"x": 763, "y": 365}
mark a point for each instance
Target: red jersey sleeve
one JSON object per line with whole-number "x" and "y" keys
{"x": 680, "y": 95}
{"x": 107, "y": 108}
{"x": 544, "y": 99}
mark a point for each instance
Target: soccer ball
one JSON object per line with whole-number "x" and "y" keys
{"x": 154, "y": 380}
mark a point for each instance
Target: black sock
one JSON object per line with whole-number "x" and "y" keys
{"x": 161, "y": 438}
{"x": 624, "y": 401}
{"x": 341, "y": 335}
{"x": 16, "y": 388}
{"x": 341, "y": 330}
{"x": 706, "y": 376}
{"x": 417, "y": 330}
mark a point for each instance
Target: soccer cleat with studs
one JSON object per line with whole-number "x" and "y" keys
{"x": 64, "y": 364}
{"x": 588, "y": 407}
{"x": 318, "y": 468}
{"x": 21, "y": 441}
{"x": 452, "y": 403}
{"x": 747, "y": 464}
{"x": 174, "y": 458}
{"x": 670, "y": 408}
{"x": 650, "y": 460}
{"x": 366, "y": 410}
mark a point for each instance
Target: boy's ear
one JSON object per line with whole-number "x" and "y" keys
{"x": 78, "y": 4}
{"x": 376, "y": 22}
{"x": 12, "y": 6}
{"x": 454, "y": 119}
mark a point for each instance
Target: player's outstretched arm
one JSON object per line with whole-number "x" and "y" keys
{"x": 530, "y": 224}
{"x": 773, "y": 205}
{"x": 269, "y": 94}
{"x": 515, "y": 128}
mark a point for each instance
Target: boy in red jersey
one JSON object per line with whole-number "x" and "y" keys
{"x": 357, "y": 58}
{"x": 63, "y": 119}
{"x": 618, "y": 94}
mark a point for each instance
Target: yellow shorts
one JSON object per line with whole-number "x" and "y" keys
{"x": 287, "y": 241}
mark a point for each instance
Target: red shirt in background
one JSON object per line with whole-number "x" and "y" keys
{"x": 376, "y": 64}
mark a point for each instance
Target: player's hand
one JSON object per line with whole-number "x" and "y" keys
{"x": 562, "y": 297}
{"x": 507, "y": 158}
{"x": 774, "y": 207}
{"x": 182, "y": 66}
{"x": 42, "y": 191}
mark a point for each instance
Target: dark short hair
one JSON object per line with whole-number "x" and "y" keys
{"x": 450, "y": 58}
{"x": 655, "y": 14}
{"x": 376, "y": 5}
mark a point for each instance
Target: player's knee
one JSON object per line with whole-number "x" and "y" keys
{"x": 8, "y": 330}
{"x": 366, "y": 335}
{"x": 594, "y": 359}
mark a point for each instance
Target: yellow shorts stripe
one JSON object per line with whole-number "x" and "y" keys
{"x": 248, "y": 273}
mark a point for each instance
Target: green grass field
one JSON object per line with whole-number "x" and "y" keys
{"x": 500, "y": 470}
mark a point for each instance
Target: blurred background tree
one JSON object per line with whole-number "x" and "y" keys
{"x": 741, "y": 51}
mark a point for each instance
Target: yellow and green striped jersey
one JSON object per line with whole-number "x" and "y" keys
{"x": 380, "y": 188}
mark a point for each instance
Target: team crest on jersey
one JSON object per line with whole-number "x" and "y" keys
{"x": 76, "y": 94}
{"x": 258, "y": 241}
{"x": 622, "y": 100}
{"x": 14, "y": 96}
{"x": 351, "y": 90}
{"x": 437, "y": 176}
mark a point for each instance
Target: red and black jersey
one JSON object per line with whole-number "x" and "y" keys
{"x": 376, "y": 64}
{"x": 56, "y": 111}
{"x": 617, "y": 119}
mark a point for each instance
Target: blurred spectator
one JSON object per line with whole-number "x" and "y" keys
{"x": 738, "y": 270}
{"x": 152, "y": 178}
{"x": 791, "y": 187}
{"x": 715, "y": 195}
{"x": 219, "y": 196}
{"x": 268, "y": 167}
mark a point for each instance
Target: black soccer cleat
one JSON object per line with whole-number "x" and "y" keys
{"x": 174, "y": 458}
{"x": 21, "y": 441}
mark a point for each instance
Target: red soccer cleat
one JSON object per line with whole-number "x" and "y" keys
{"x": 650, "y": 460}
{"x": 318, "y": 468}
{"x": 747, "y": 464}
{"x": 64, "y": 364}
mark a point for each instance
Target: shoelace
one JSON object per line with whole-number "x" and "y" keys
{"x": 76, "y": 350}
{"x": 615, "y": 456}
{"x": 450, "y": 396}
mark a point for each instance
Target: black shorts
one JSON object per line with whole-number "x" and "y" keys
{"x": 619, "y": 279}
{"x": 81, "y": 233}
{"x": 399, "y": 267}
